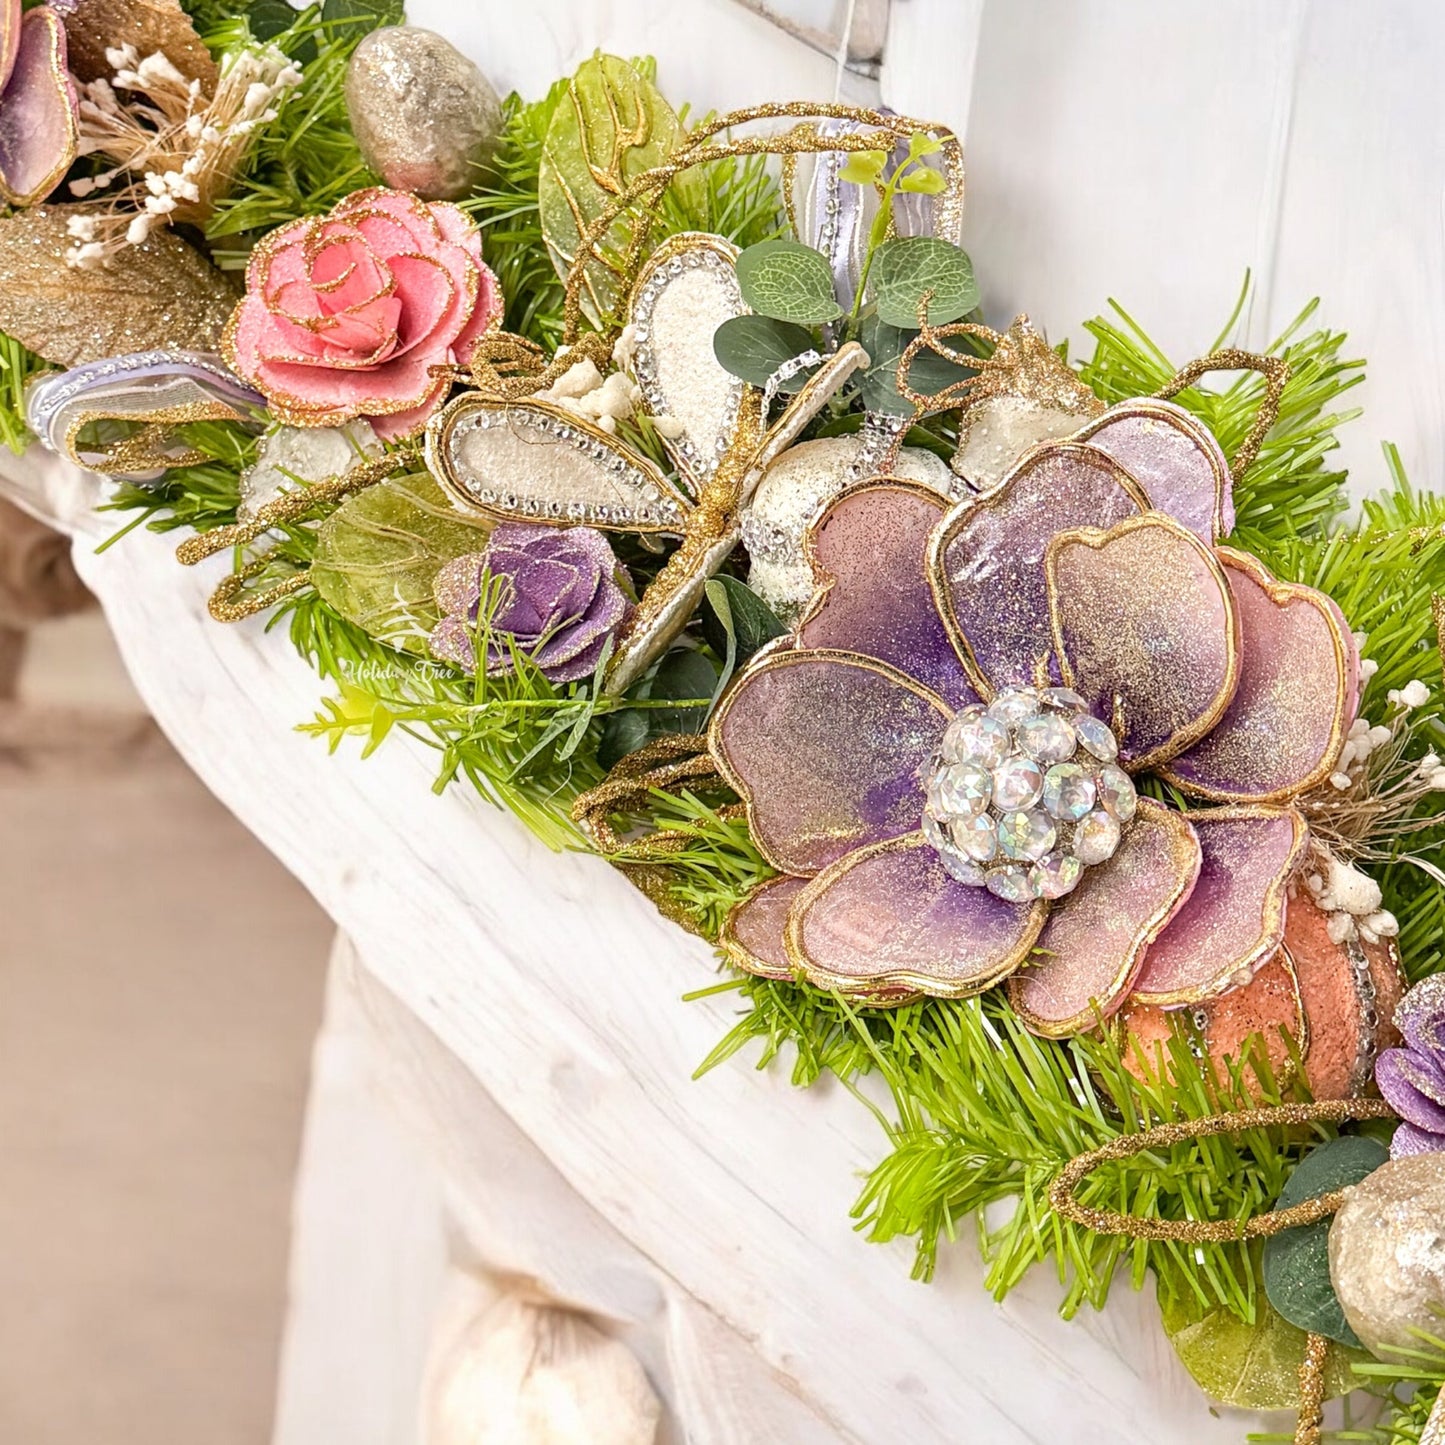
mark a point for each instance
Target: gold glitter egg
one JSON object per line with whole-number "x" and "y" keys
{"x": 1387, "y": 1253}
{"x": 426, "y": 119}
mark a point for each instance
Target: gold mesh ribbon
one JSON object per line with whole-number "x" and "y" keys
{"x": 671, "y": 763}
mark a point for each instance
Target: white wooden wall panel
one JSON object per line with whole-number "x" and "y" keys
{"x": 1153, "y": 153}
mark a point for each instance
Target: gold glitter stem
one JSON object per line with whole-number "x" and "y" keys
{"x": 1164, "y": 1136}
{"x": 1312, "y": 1391}
{"x": 930, "y": 338}
{"x": 1275, "y": 371}
{"x": 146, "y": 449}
{"x": 224, "y": 605}
{"x": 295, "y": 504}
{"x": 649, "y": 185}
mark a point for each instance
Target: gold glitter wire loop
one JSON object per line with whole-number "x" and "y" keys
{"x": 291, "y": 505}
{"x": 230, "y": 602}
{"x": 648, "y": 185}
{"x": 1312, "y": 1390}
{"x": 1163, "y": 1136}
{"x": 671, "y": 763}
{"x": 931, "y": 338}
{"x": 1276, "y": 373}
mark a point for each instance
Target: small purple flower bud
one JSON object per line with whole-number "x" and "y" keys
{"x": 559, "y": 601}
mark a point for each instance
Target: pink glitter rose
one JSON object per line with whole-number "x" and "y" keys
{"x": 345, "y": 314}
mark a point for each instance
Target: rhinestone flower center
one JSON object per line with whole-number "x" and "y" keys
{"x": 1026, "y": 793}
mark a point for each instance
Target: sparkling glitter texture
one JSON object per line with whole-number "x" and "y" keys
{"x": 1014, "y": 804}
{"x": 687, "y": 290}
{"x": 426, "y": 119}
{"x": 1146, "y": 630}
{"x": 1387, "y": 1253}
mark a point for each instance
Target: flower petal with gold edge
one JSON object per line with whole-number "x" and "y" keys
{"x": 1094, "y": 943}
{"x": 39, "y": 126}
{"x": 824, "y": 749}
{"x": 1174, "y": 457}
{"x": 1350, "y": 990}
{"x": 1268, "y": 1003}
{"x": 753, "y": 939}
{"x": 986, "y": 558}
{"x": 1145, "y": 627}
{"x": 752, "y": 934}
{"x": 889, "y": 917}
{"x": 12, "y": 15}
{"x": 868, "y": 551}
{"x": 535, "y": 462}
{"x": 686, "y": 290}
{"x": 1234, "y": 919}
{"x": 1283, "y": 732}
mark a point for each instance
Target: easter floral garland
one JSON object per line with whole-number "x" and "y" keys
{"x": 1033, "y": 735}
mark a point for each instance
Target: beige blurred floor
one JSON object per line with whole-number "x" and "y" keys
{"x": 160, "y": 985}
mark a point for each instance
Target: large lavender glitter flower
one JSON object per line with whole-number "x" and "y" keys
{"x": 1412, "y": 1078}
{"x": 938, "y": 761}
{"x": 560, "y": 601}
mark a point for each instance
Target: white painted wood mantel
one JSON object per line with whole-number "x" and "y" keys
{"x": 521, "y": 1012}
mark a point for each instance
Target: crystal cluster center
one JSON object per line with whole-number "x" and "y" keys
{"x": 1025, "y": 793}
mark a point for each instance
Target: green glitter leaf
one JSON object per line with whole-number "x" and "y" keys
{"x": 378, "y": 553}
{"x": 1251, "y": 1366}
{"x": 611, "y": 125}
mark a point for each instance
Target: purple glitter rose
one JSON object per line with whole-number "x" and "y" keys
{"x": 1412, "y": 1078}
{"x": 559, "y": 602}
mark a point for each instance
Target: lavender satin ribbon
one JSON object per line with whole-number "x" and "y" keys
{"x": 833, "y": 216}
{"x": 140, "y": 387}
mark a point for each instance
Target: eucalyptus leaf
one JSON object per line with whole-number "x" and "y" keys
{"x": 611, "y": 126}
{"x": 622, "y": 733}
{"x": 378, "y": 554}
{"x": 789, "y": 281}
{"x": 754, "y": 347}
{"x": 1296, "y": 1265}
{"x": 907, "y": 267}
{"x": 266, "y": 19}
{"x": 733, "y": 609}
{"x": 686, "y": 675}
{"x": 930, "y": 373}
{"x": 1252, "y": 1366}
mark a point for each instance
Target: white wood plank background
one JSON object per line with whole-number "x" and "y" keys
{"x": 1114, "y": 147}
